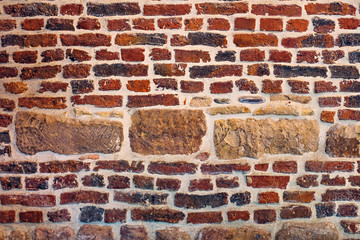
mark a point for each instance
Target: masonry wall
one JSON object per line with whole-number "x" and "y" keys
{"x": 179, "y": 119}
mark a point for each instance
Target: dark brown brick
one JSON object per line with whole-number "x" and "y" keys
{"x": 191, "y": 86}
{"x": 53, "y": 87}
{"x": 9, "y": 183}
{"x": 137, "y": 101}
{"x": 36, "y": 183}
{"x": 31, "y": 217}
{"x": 329, "y": 166}
{"x": 31, "y": 200}
{"x": 43, "y": 102}
{"x": 120, "y": 166}
{"x": 215, "y": 169}
{"x": 175, "y": 168}
{"x": 200, "y": 201}
{"x": 44, "y": 72}
{"x": 141, "y": 198}
{"x": 63, "y": 166}
{"x": 107, "y": 55}
{"x": 200, "y": 185}
{"x": 115, "y": 215}
{"x": 87, "y": 40}
{"x": 66, "y": 181}
{"x": 102, "y": 101}
{"x": 77, "y": 55}
{"x": 82, "y": 196}
{"x": 204, "y": 217}
{"x": 238, "y": 215}
{"x": 118, "y": 182}
{"x": 295, "y": 211}
{"x": 168, "y": 184}
{"x": 228, "y": 8}
{"x": 157, "y": 215}
{"x": 264, "y": 216}
{"x": 7, "y": 216}
{"x": 62, "y": 215}
{"x": 143, "y": 182}
{"x": 109, "y": 84}
{"x": 88, "y": 23}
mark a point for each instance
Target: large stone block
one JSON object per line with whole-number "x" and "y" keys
{"x": 308, "y": 231}
{"x": 244, "y": 233}
{"x": 235, "y": 138}
{"x": 40, "y": 132}
{"x": 162, "y": 131}
{"x": 343, "y": 141}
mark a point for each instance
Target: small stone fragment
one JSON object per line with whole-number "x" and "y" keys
{"x": 228, "y": 110}
{"x": 278, "y": 110}
{"x": 251, "y": 100}
{"x": 293, "y": 98}
{"x": 200, "y": 102}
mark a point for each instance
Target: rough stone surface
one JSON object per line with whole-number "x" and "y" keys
{"x": 343, "y": 141}
{"x": 307, "y": 231}
{"x": 167, "y": 131}
{"x": 200, "y": 102}
{"x": 244, "y": 233}
{"x": 293, "y": 98}
{"x": 172, "y": 233}
{"x": 277, "y": 110}
{"x": 236, "y": 138}
{"x": 39, "y": 132}
{"x": 130, "y": 232}
{"x": 228, "y": 110}
{"x": 94, "y": 232}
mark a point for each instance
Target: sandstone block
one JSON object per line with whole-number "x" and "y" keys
{"x": 305, "y": 231}
{"x": 244, "y": 233}
{"x": 343, "y": 141}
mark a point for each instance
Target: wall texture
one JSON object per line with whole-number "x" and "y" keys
{"x": 179, "y": 120}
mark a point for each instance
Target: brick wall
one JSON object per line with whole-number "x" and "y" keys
{"x": 179, "y": 120}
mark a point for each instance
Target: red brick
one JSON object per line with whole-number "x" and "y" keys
{"x": 102, "y": 101}
{"x": 158, "y": 54}
{"x": 322, "y": 86}
{"x": 348, "y": 23}
{"x": 280, "y": 56}
{"x": 294, "y": 211}
{"x": 63, "y": 166}
{"x": 238, "y": 215}
{"x": 25, "y": 57}
{"x": 347, "y": 210}
{"x": 77, "y": 55}
{"x": 109, "y": 84}
{"x": 120, "y": 166}
{"x": 330, "y": 57}
{"x": 191, "y": 56}
{"x": 118, "y": 182}
{"x": 307, "y": 56}
{"x": 168, "y": 184}
{"x": 323, "y": 25}
{"x": 335, "y": 181}
{"x": 354, "y": 180}
{"x": 157, "y": 215}
{"x": 297, "y": 25}
{"x": 267, "y": 181}
{"x": 18, "y": 167}
{"x": 327, "y": 116}
{"x": 165, "y": 83}
{"x": 244, "y": 24}
{"x": 32, "y": 24}
{"x": 193, "y": 24}
{"x": 220, "y": 24}
{"x": 192, "y": 86}
{"x": 143, "y": 24}
{"x": 119, "y": 25}
{"x": 59, "y": 24}
{"x": 76, "y": 71}
{"x": 132, "y": 54}
{"x": 87, "y": 39}
{"x": 107, "y": 55}
{"x": 298, "y": 196}
{"x": 204, "y": 217}
{"x": 62, "y": 215}
{"x": 43, "y": 40}
{"x": 269, "y": 86}
{"x": 137, "y": 101}
{"x": 349, "y": 86}
{"x": 179, "y": 40}
{"x": 4, "y": 57}
{"x": 84, "y": 197}
{"x": 88, "y": 23}
{"x": 9, "y": 183}
{"x": 301, "y": 87}
{"x": 31, "y": 200}
{"x": 143, "y": 182}
{"x": 228, "y": 8}
{"x": 16, "y": 87}
{"x": 115, "y": 215}
{"x": 138, "y": 85}
{"x": 166, "y": 9}
{"x": 7, "y": 104}
{"x": 276, "y": 10}
{"x": 347, "y": 114}
{"x": 252, "y": 55}
{"x": 7, "y": 24}
{"x": 66, "y": 181}
{"x": 259, "y": 70}
{"x": 44, "y": 72}
{"x": 8, "y": 72}
{"x": 255, "y": 40}
{"x": 215, "y": 169}
{"x": 170, "y": 23}
{"x": 173, "y": 168}
{"x": 72, "y": 9}
{"x": 320, "y": 40}
{"x": 329, "y": 166}
{"x": 200, "y": 185}
{"x": 31, "y": 217}
{"x": 36, "y": 183}
{"x": 53, "y": 87}
{"x": 7, "y": 216}
{"x": 225, "y": 182}
{"x": 170, "y": 70}
{"x": 261, "y": 167}
{"x": 335, "y": 8}
{"x": 52, "y": 55}
{"x": 271, "y": 24}
{"x": 221, "y": 87}
{"x": 268, "y": 197}
{"x": 307, "y": 181}
{"x": 285, "y": 167}
{"x": 329, "y": 101}
{"x": 264, "y": 216}
{"x": 43, "y": 102}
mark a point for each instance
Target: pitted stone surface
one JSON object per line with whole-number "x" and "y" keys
{"x": 244, "y": 233}
{"x": 308, "y": 231}
{"x": 343, "y": 141}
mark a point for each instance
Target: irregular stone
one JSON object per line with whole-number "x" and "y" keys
{"x": 163, "y": 131}
{"x": 251, "y": 100}
{"x": 236, "y": 138}
{"x": 94, "y": 232}
{"x": 112, "y": 114}
{"x": 228, "y": 110}
{"x": 222, "y": 100}
{"x": 91, "y": 214}
{"x": 351, "y": 226}
{"x": 64, "y": 233}
{"x": 200, "y": 102}
{"x": 43, "y": 233}
{"x": 80, "y": 112}
{"x": 244, "y": 233}
{"x": 293, "y": 98}
{"x": 172, "y": 233}
{"x": 277, "y": 110}
{"x": 40, "y": 132}
{"x": 305, "y": 231}
{"x": 307, "y": 112}
{"x": 343, "y": 141}
{"x": 18, "y": 235}
{"x": 130, "y": 232}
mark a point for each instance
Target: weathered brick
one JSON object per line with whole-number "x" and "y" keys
{"x": 4, "y": 57}
{"x": 72, "y": 9}
{"x": 228, "y": 56}
{"x": 334, "y": 8}
{"x": 298, "y": 196}
{"x": 247, "y": 85}
{"x": 86, "y": 40}
{"x": 93, "y": 180}
{"x": 155, "y": 39}
{"x": 345, "y": 72}
{"x": 52, "y": 55}
{"x": 215, "y": 71}
{"x": 119, "y": 69}
{"x": 261, "y": 69}
{"x": 115, "y": 215}
{"x": 226, "y": 182}
{"x": 252, "y": 55}
{"x": 255, "y": 40}
{"x": 347, "y": 114}
{"x": 93, "y": 231}
{"x": 301, "y": 87}
{"x": 264, "y": 216}
{"x": 285, "y": 166}
{"x": 118, "y": 25}
{"x": 206, "y": 39}
{"x": 176, "y": 168}
{"x": 62, "y": 215}
{"x": 109, "y": 84}
{"x": 118, "y": 182}
{"x": 200, "y": 185}
{"x": 354, "y": 180}
{"x": 44, "y": 72}
{"x": 76, "y": 71}
{"x": 191, "y": 86}
{"x": 88, "y": 24}
{"x": 327, "y": 116}
{"x": 269, "y": 86}
{"x": 137, "y": 101}
{"x": 129, "y": 232}
{"x": 158, "y": 54}
{"x": 138, "y": 85}
{"x": 83, "y": 196}
{"x": 170, "y": 23}
{"x": 325, "y": 209}
{"x": 36, "y": 183}
{"x": 329, "y": 166}
{"x": 143, "y": 182}
{"x": 295, "y": 211}
{"x": 32, "y": 200}
{"x": 276, "y": 10}
{"x": 228, "y": 8}
{"x": 348, "y": 23}
{"x": 102, "y": 101}
{"x": 200, "y": 201}
{"x": 280, "y": 56}
{"x": 191, "y": 56}
{"x": 168, "y": 184}
{"x": 18, "y": 167}
{"x": 31, "y": 216}
{"x": 350, "y": 226}
{"x": 143, "y": 24}
{"x": 297, "y": 25}
{"x": 91, "y": 214}
{"x": 165, "y": 83}
{"x": 7, "y": 24}
{"x": 77, "y": 55}
{"x": 193, "y": 24}
{"x": 351, "y": 194}
{"x": 53, "y": 87}
{"x": 5, "y": 120}
{"x": 63, "y": 166}
{"x": 348, "y": 39}
{"x": 7, "y": 216}
{"x": 58, "y": 24}
{"x": 224, "y": 168}
{"x": 204, "y": 217}
{"x": 284, "y": 71}
{"x": 318, "y": 40}
{"x": 141, "y": 198}
{"x": 267, "y": 181}
{"x": 16, "y": 87}
{"x": 244, "y": 24}
{"x": 307, "y": 56}
{"x": 261, "y": 167}
{"x": 132, "y": 54}
{"x": 82, "y": 86}
{"x": 31, "y": 9}
{"x": 241, "y": 198}
{"x": 4, "y": 137}
{"x": 221, "y": 87}
{"x": 238, "y": 215}
{"x": 307, "y": 181}
{"x": 268, "y": 197}
{"x": 43, "y": 102}
{"x": 336, "y": 181}
{"x": 8, "y": 72}
{"x": 66, "y": 181}
{"x": 220, "y": 24}
{"x": 9, "y": 183}
{"x": 271, "y": 24}
{"x": 323, "y": 25}
{"x": 329, "y": 101}
{"x": 167, "y": 9}
{"x": 157, "y": 215}
{"x": 323, "y": 86}
{"x": 120, "y": 166}
{"x": 113, "y": 9}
